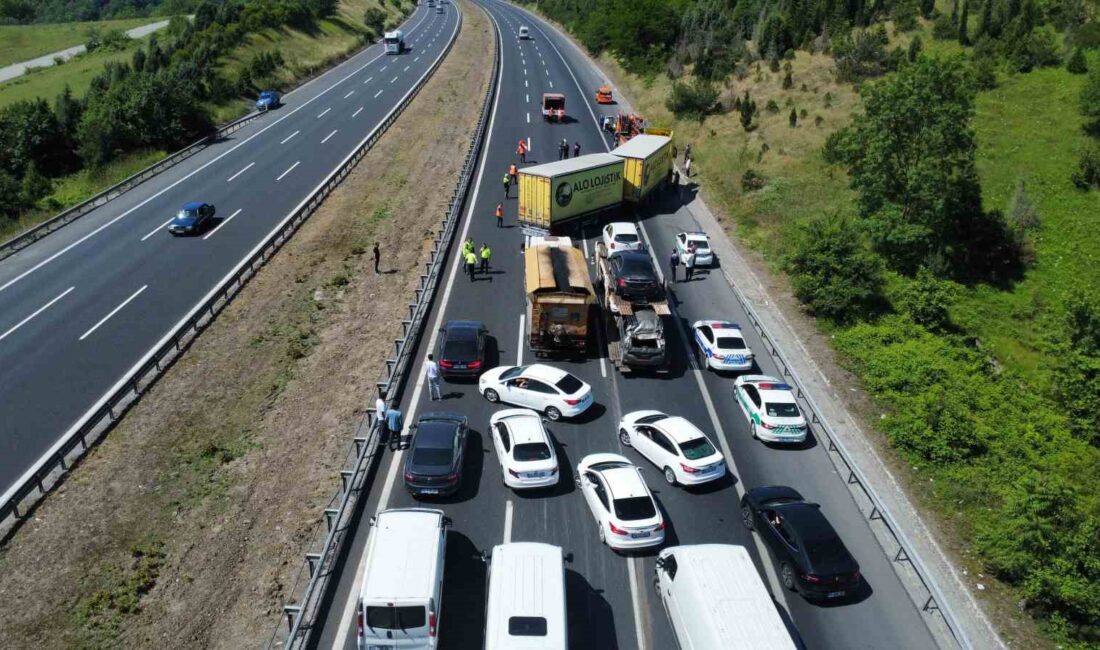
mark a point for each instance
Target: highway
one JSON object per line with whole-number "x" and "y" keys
{"x": 610, "y": 601}
{"x": 80, "y": 308}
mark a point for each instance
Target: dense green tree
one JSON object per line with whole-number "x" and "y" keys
{"x": 964, "y": 24}
{"x": 693, "y": 100}
{"x": 1078, "y": 364}
{"x": 861, "y": 54}
{"x": 831, "y": 270}
{"x": 1089, "y": 100}
{"x": 793, "y": 119}
{"x": 916, "y": 46}
{"x": 1076, "y": 62}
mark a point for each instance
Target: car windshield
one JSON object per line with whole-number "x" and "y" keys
{"x": 395, "y": 618}
{"x": 569, "y": 384}
{"x": 431, "y": 457}
{"x": 782, "y": 409}
{"x": 696, "y": 449}
{"x": 626, "y": 238}
{"x": 635, "y": 508}
{"x": 532, "y": 451}
{"x": 700, "y": 244}
{"x": 187, "y": 214}
{"x": 512, "y": 372}
{"x": 731, "y": 343}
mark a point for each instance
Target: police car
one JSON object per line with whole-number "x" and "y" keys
{"x": 722, "y": 345}
{"x": 770, "y": 406}
{"x": 704, "y": 256}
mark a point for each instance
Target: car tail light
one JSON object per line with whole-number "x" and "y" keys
{"x": 622, "y": 282}
{"x": 616, "y": 530}
{"x": 812, "y": 578}
{"x": 661, "y": 526}
{"x": 572, "y": 402}
{"x": 855, "y": 576}
{"x": 359, "y": 623}
{"x": 453, "y": 476}
{"x": 612, "y": 245}
{"x": 446, "y": 364}
{"x": 554, "y": 470}
{"x": 474, "y": 365}
{"x": 689, "y": 469}
{"x": 431, "y": 623}
{"x": 409, "y": 477}
{"x": 513, "y": 473}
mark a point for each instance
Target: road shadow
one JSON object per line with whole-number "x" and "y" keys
{"x": 464, "y": 592}
{"x": 711, "y": 487}
{"x": 591, "y": 619}
{"x": 472, "y": 465}
{"x": 593, "y": 413}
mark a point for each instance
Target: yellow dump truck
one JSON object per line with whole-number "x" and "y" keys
{"x": 647, "y": 163}
{"x": 555, "y": 193}
{"x": 559, "y": 297}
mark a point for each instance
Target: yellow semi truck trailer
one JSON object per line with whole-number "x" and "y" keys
{"x": 647, "y": 161}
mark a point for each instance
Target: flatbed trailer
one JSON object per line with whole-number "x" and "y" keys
{"x": 635, "y": 329}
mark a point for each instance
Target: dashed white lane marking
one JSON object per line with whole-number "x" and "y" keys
{"x": 416, "y": 59}
{"x": 525, "y": 84}
{"x": 383, "y": 69}
{"x": 528, "y": 96}
{"x": 636, "y": 600}
{"x": 368, "y": 80}
{"x": 287, "y": 139}
{"x": 329, "y": 136}
{"x": 289, "y": 169}
{"x": 157, "y": 229}
{"x": 377, "y": 94}
{"x": 394, "y": 79}
{"x": 357, "y": 112}
{"x": 406, "y": 68}
{"x": 349, "y": 94}
{"x": 323, "y": 113}
{"x": 528, "y": 118}
{"x": 113, "y": 312}
{"x": 246, "y": 168}
{"x": 551, "y": 84}
{"x": 525, "y": 71}
{"x": 508, "y": 521}
{"x": 519, "y": 341}
{"x": 211, "y": 233}
{"x": 36, "y": 312}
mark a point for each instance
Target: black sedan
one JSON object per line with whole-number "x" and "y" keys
{"x": 433, "y": 463}
{"x": 634, "y": 277}
{"x": 462, "y": 349}
{"x": 192, "y": 219}
{"x": 812, "y": 559}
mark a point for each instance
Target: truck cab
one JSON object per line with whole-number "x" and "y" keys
{"x": 394, "y": 42}
{"x": 553, "y": 107}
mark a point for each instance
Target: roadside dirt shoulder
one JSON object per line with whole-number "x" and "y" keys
{"x": 186, "y": 526}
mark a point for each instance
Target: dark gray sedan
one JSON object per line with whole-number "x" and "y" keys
{"x": 433, "y": 462}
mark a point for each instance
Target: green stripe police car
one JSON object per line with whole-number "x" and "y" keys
{"x": 770, "y": 406}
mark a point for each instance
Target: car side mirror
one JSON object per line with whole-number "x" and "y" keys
{"x": 577, "y": 481}
{"x": 568, "y": 557}
{"x": 483, "y": 556}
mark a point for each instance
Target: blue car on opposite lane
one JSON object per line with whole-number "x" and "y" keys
{"x": 191, "y": 218}
{"x": 268, "y": 99}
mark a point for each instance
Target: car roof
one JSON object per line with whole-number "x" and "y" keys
{"x": 679, "y": 429}
{"x": 696, "y": 235}
{"x": 463, "y": 324}
{"x": 624, "y": 482}
{"x": 631, "y": 255}
{"x": 720, "y": 325}
{"x": 623, "y": 227}
{"x": 807, "y": 519}
{"x": 769, "y": 386}
{"x": 525, "y": 427}
{"x": 269, "y": 92}
{"x": 544, "y": 372}
{"x": 193, "y": 205}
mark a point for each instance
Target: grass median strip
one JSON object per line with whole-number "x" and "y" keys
{"x": 188, "y": 525}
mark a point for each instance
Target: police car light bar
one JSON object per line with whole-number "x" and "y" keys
{"x": 769, "y": 386}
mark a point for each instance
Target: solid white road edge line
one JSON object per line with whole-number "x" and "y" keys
{"x": 37, "y": 312}
{"x": 632, "y": 569}
{"x": 113, "y": 312}
{"x": 219, "y": 226}
{"x": 126, "y": 376}
{"x": 383, "y": 500}
{"x": 334, "y": 131}
{"x": 289, "y": 137}
{"x": 246, "y": 168}
{"x": 288, "y": 170}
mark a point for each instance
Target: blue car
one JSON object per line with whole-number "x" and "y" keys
{"x": 192, "y": 218}
{"x": 268, "y": 99}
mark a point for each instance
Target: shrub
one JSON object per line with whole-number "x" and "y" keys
{"x": 692, "y": 100}
{"x": 984, "y": 73}
{"x": 375, "y": 19}
{"x": 861, "y": 54}
{"x": 818, "y": 120}
{"x": 905, "y": 15}
{"x": 772, "y": 107}
{"x": 751, "y": 181}
{"x": 943, "y": 28}
{"x": 1076, "y": 62}
{"x": 916, "y": 46}
{"x": 1090, "y": 94}
{"x": 1087, "y": 174}
{"x": 926, "y": 299}
{"x": 793, "y": 119}
{"x": 831, "y": 270}
{"x": 788, "y": 83}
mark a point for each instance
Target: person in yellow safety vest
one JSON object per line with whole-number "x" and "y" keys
{"x": 471, "y": 264}
{"x": 507, "y": 184}
{"x": 467, "y": 246}
{"x": 485, "y": 253}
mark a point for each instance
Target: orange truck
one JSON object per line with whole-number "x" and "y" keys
{"x": 603, "y": 95}
{"x": 553, "y": 107}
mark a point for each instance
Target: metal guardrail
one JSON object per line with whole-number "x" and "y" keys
{"x": 366, "y": 445}
{"x": 34, "y": 233}
{"x": 935, "y": 601}
{"x": 52, "y": 465}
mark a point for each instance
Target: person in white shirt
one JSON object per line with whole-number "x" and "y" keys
{"x": 431, "y": 370}
{"x": 380, "y": 415}
{"x": 689, "y": 263}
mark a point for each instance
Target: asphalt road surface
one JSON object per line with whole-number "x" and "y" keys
{"x": 610, "y": 600}
{"x": 81, "y": 307}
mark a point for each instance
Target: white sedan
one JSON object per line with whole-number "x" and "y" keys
{"x": 626, "y": 515}
{"x": 704, "y": 256}
{"x": 722, "y": 345}
{"x": 771, "y": 409}
{"x": 543, "y": 388}
{"x": 621, "y": 236}
{"x": 524, "y": 449}
{"x": 683, "y": 453}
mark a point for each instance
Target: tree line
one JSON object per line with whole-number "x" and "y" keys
{"x": 157, "y": 100}
{"x": 21, "y": 12}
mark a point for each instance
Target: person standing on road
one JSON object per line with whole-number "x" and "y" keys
{"x": 687, "y": 167}
{"x": 507, "y": 185}
{"x": 561, "y": 150}
{"x": 380, "y": 415}
{"x": 431, "y": 371}
{"x": 522, "y": 151}
{"x": 673, "y": 262}
{"x": 485, "y": 253}
{"x": 467, "y": 246}
{"x": 500, "y": 215}
{"x": 377, "y": 257}
{"x": 576, "y": 149}
{"x": 689, "y": 263}
{"x": 512, "y": 172}
{"x": 687, "y": 153}
{"x": 471, "y": 264}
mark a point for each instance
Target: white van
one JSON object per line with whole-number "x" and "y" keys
{"x": 714, "y": 598}
{"x": 524, "y": 33}
{"x": 401, "y": 597}
{"x": 526, "y": 602}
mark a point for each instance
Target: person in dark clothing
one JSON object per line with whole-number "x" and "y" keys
{"x": 687, "y": 153}
{"x": 673, "y": 262}
{"x": 377, "y": 257}
{"x": 563, "y": 150}
{"x": 576, "y": 149}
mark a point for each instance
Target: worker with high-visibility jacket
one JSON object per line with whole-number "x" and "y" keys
{"x": 500, "y": 215}
{"x": 507, "y": 184}
{"x": 471, "y": 264}
{"x": 485, "y": 253}
{"x": 512, "y": 171}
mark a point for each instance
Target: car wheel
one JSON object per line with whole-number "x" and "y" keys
{"x": 553, "y": 413}
{"x": 786, "y": 571}
{"x": 670, "y": 476}
{"x": 493, "y": 397}
{"x": 624, "y": 438}
{"x": 746, "y": 517}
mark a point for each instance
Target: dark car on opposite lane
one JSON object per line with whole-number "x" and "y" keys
{"x": 812, "y": 559}
{"x": 433, "y": 462}
{"x": 462, "y": 349}
{"x": 192, "y": 219}
{"x": 268, "y": 100}
{"x": 634, "y": 277}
